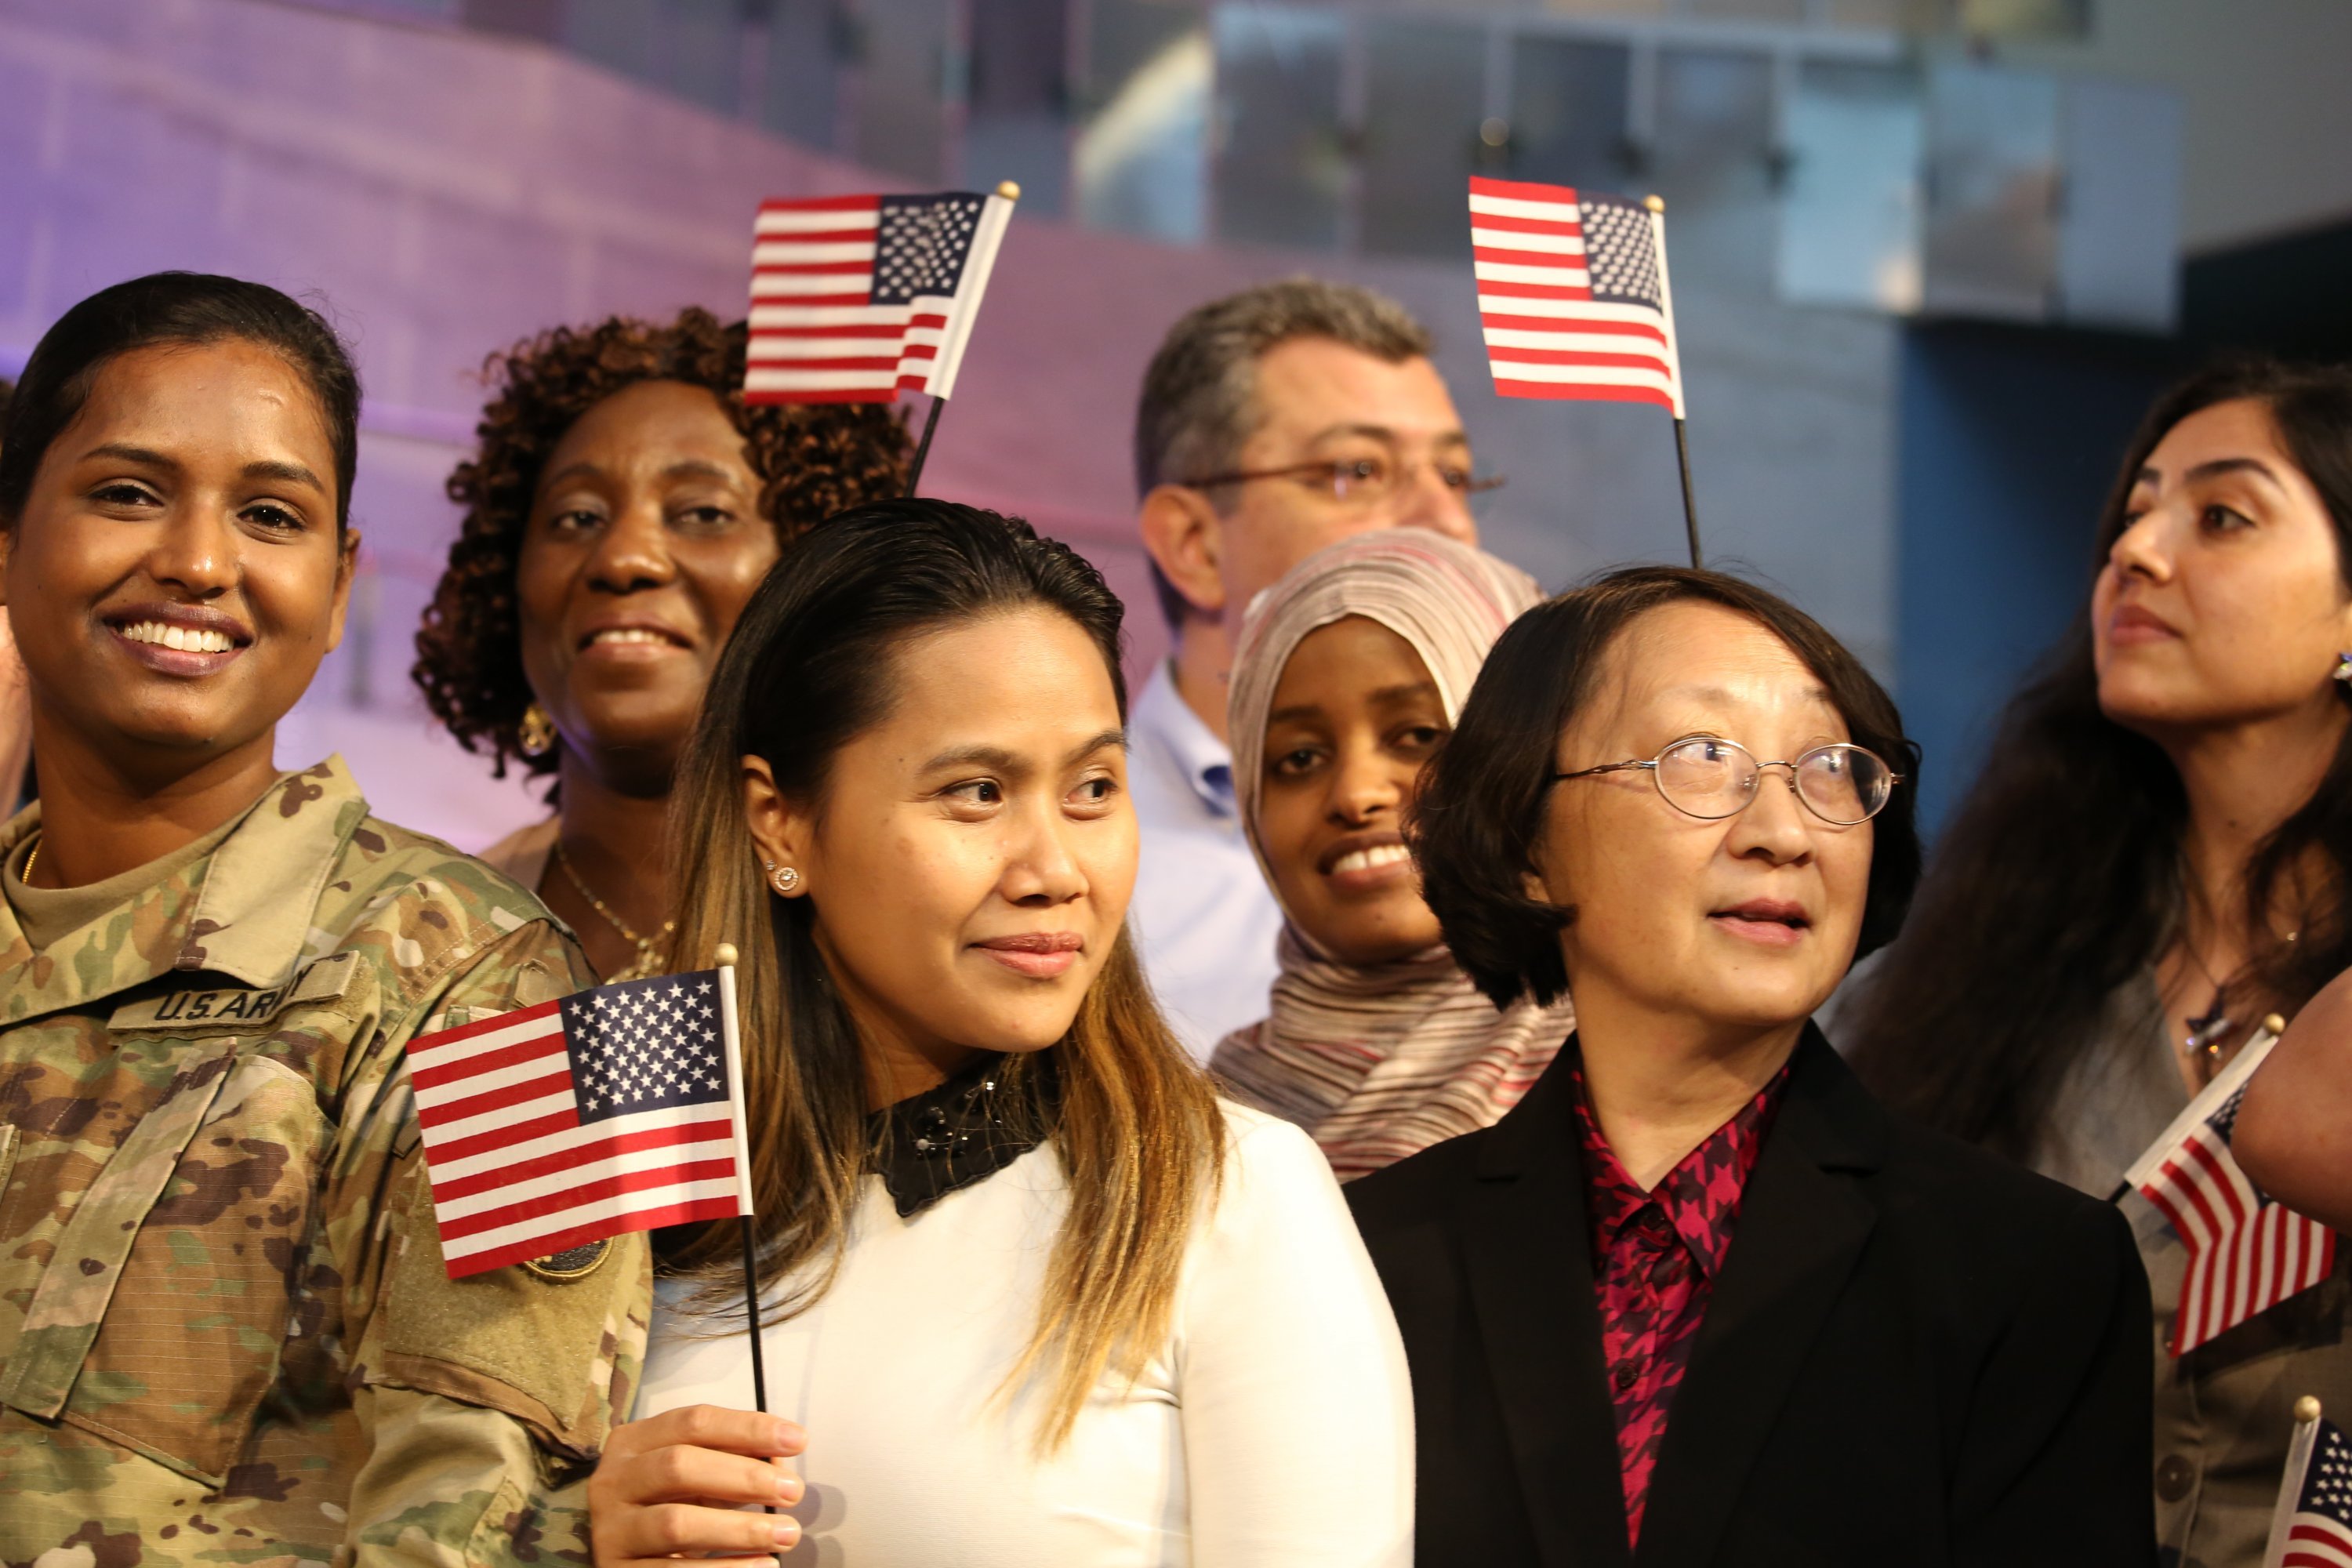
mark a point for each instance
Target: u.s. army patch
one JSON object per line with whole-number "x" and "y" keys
{"x": 238, "y": 1005}
{"x": 573, "y": 1262}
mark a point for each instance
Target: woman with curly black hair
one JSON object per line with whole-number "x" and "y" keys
{"x": 623, "y": 504}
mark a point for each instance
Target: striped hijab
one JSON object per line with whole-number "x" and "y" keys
{"x": 1379, "y": 1062}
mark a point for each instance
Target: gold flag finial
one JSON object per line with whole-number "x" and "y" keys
{"x": 724, "y": 955}
{"x": 2275, "y": 1023}
{"x": 2306, "y": 1409}
{"x": 1655, "y": 204}
{"x": 1009, "y": 190}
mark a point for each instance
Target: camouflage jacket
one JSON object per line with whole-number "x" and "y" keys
{"x": 226, "y": 1331}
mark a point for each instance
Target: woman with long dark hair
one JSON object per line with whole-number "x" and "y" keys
{"x": 225, "y": 1322}
{"x": 622, "y": 504}
{"x": 1030, "y": 1293}
{"x": 2154, "y": 856}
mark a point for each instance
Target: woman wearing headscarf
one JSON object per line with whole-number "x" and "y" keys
{"x": 1349, "y": 673}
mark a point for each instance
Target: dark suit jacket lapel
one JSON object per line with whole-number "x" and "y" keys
{"x": 1528, "y": 1254}
{"x": 1802, "y": 1224}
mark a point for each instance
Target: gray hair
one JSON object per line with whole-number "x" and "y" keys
{"x": 1199, "y": 404}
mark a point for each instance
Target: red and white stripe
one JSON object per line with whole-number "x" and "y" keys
{"x": 2246, "y": 1254}
{"x": 515, "y": 1173}
{"x": 2315, "y": 1540}
{"x": 816, "y": 336}
{"x": 2265, "y": 1258}
{"x": 1546, "y": 336}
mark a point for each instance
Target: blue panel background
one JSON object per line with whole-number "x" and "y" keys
{"x": 2008, "y": 441}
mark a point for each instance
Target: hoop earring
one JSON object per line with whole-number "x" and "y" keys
{"x": 536, "y": 735}
{"x": 783, "y": 878}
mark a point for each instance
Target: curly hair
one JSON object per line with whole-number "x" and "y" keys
{"x": 813, "y": 460}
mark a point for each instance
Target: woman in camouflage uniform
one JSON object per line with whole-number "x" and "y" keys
{"x": 225, "y": 1325}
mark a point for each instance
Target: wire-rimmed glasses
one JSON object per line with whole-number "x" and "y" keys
{"x": 1711, "y": 778}
{"x": 1358, "y": 482}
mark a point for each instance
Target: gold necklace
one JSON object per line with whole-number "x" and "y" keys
{"x": 25, "y": 876}
{"x": 648, "y": 961}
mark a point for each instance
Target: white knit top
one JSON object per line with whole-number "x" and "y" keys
{"x": 1272, "y": 1430}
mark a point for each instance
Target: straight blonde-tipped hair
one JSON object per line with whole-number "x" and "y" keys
{"x": 1134, "y": 1122}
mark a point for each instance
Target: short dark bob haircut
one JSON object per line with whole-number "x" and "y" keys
{"x": 172, "y": 309}
{"x": 1483, "y": 802}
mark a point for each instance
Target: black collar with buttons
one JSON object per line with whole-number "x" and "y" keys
{"x": 966, "y": 1130}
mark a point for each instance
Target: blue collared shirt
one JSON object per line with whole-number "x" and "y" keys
{"x": 1202, "y": 916}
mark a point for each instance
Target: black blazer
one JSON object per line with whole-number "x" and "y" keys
{"x": 1915, "y": 1354}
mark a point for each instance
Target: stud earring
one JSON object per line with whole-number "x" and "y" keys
{"x": 536, "y": 735}
{"x": 2344, "y": 667}
{"x": 782, "y": 878}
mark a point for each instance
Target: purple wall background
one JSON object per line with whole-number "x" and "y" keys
{"x": 447, "y": 193}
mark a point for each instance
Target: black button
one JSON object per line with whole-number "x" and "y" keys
{"x": 2174, "y": 1477}
{"x": 1626, "y": 1376}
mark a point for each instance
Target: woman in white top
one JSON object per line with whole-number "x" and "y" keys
{"x": 1032, "y": 1294}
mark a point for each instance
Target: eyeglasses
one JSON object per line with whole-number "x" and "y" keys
{"x": 1709, "y": 778}
{"x": 1362, "y": 482}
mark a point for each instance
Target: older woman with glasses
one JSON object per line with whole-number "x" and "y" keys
{"x": 1785, "y": 1327}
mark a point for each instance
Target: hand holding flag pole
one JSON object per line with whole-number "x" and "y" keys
{"x": 1575, "y": 302}
{"x": 857, "y": 298}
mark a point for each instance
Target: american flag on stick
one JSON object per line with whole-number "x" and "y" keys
{"x": 1573, "y": 295}
{"x": 1575, "y": 302}
{"x": 612, "y": 1109}
{"x": 856, "y": 299}
{"x": 2246, "y": 1253}
{"x": 2313, "y": 1525}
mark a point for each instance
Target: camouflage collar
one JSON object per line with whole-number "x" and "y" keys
{"x": 242, "y": 912}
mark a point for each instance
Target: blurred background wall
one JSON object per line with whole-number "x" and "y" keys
{"x": 1931, "y": 257}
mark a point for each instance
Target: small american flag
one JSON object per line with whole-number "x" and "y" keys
{"x": 613, "y": 1109}
{"x": 2246, "y": 1254}
{"x": 855, "y": 299}
{"x": 2313, "y": 1525}
{"x": 1573, "y": 294}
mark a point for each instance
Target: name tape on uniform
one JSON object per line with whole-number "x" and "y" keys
{"x": 325, "y": 981}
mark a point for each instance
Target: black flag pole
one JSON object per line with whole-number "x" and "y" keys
{"x": 1011, "y": 192}
{"x": 923, "y": 446}
{"x": 1690, "y": 510}
{"x": 724, "y": 956}
{"x": 1657, "y": 206}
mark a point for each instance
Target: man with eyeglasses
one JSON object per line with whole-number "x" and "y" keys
{"x": 1271, "y": 422}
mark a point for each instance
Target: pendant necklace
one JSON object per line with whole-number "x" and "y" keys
{"x": 648, "y": 959}
{"x": 2202, "y": 1043}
